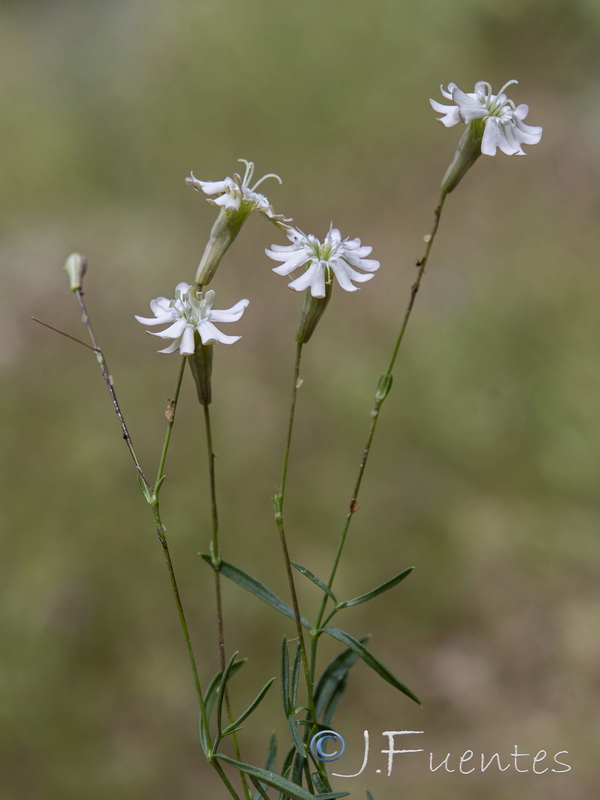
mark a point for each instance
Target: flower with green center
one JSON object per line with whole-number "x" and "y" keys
{"x": 235, "y": 193}
{"x": 334, "y": 256}
{"x": 493, "y": 123}
{"x": 495, "y": 116}
{"x": 191, "y": 312}
{"x": 236, "y": 199}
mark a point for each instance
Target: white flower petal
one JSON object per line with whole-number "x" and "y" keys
{"x": 469, "y": 107}
{"x": 528, "y": 134}
{"x": 450, "y": 113}
{"x": 172, "y": 347}
{"x": 187, "y": 346}
{"x": 366, "y": 264}
{"x": 352, "y": 274}
{"x": 232, "y": 314}
{"x": 313, "y": 275}
{"x": 341, "y": 272}
{"x": 172, "y": 332}
{"x": 209, "y": 334}
{"x": 213, "y": 187}
{"x": 228, "y": 202}
{"x": 292, "y": 262}
{"x": 492, "y": 135}
{"x": 161, "y": 320}
{"x": 160, "y": 305}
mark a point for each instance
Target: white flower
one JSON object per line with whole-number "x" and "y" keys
{"x": 235, "y": 193}
{"x": 503, "y": 126}
{"x": 189, "y": 312}
{"x": 333, "y": 256}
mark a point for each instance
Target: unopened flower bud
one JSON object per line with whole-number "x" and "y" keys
{"x": 312, "y": 311}
{"x": 75, "y": 268}
{"x": 201, "y": 365}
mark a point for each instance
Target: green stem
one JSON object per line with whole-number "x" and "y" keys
{"x": 160, "y": 530}
{"x": 151, "y": 494}
{"x": 381, "y": 393}
{"x": 214, "y": 547}
{"x": 215, "y": 554}
{"x": 170, "y": 415}
{"x": 279, "y": 503}
{"x": 224, "y": 778}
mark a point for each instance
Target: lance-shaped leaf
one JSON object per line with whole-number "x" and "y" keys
{"x": 221, "y": 693}
{"x": 295, "y": 679}
{"x": 298, "y": 768}
{"x": 236, "y": 723}
{"x": 277, "y": 782}
{"x": 256, "y": 588}
{"x": 206, "y": 745}
{"x": 287, "y": 762}
{"x": 332, "y": 683}
{"x": 383, "y": 587}
{"x": 260, "y": 792}
{"x": 211, "y": 692}
{"x": 296, "y": 738}
{"x": 272, "y": 753}
{"x": 317, "y": 581}
{"x": 269, "y": 766}
{"x": 370, "y": 661}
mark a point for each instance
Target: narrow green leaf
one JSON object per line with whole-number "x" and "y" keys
{"x": 297, "y": 769}
{"x": 272, "y": 753}
{"x": 206, "y": 745}
{"x": 270, "y": 778}
{"x": 328, "y": 716}
{"x": 332, "y": 683}
{"x": 260, "y": 792}
{"x": 371, "y": 661}
{"x": 317, "y": 581}
{"x": 295, "y": 679}
{"x": 237, "y": 723}
{"x": 384, "y": 587}
{"x": 296, "y": 738}
{"x": 318, "y": 782}
{"x": 285, "y": 677}
{"x": 211, "y": 692}
{"x": 221, "y": 693}
{"x": 258, "y": 589}
{"x": 287, "y": 764}
{"x": 369, "y": 795}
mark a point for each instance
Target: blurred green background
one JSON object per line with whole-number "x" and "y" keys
{"x": 484, "y": 475}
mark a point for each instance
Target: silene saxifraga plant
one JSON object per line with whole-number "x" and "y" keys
{"x": 295, "y": 765}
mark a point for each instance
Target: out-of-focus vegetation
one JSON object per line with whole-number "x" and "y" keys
{"x": 485, "y": 474}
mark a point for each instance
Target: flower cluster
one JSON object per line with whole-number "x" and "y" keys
{"x": 191, "y": 312}
{"x": 323, "y": 260}
{"x": 502, "y": 121}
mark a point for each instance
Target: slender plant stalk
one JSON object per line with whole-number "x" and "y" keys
{"x": 381, "y": 393}
{"x": 278, "y": 503}
{"x": 85, "y": 318}
{"x": 215, "y": 555}
{"x": 151, "y": 494}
